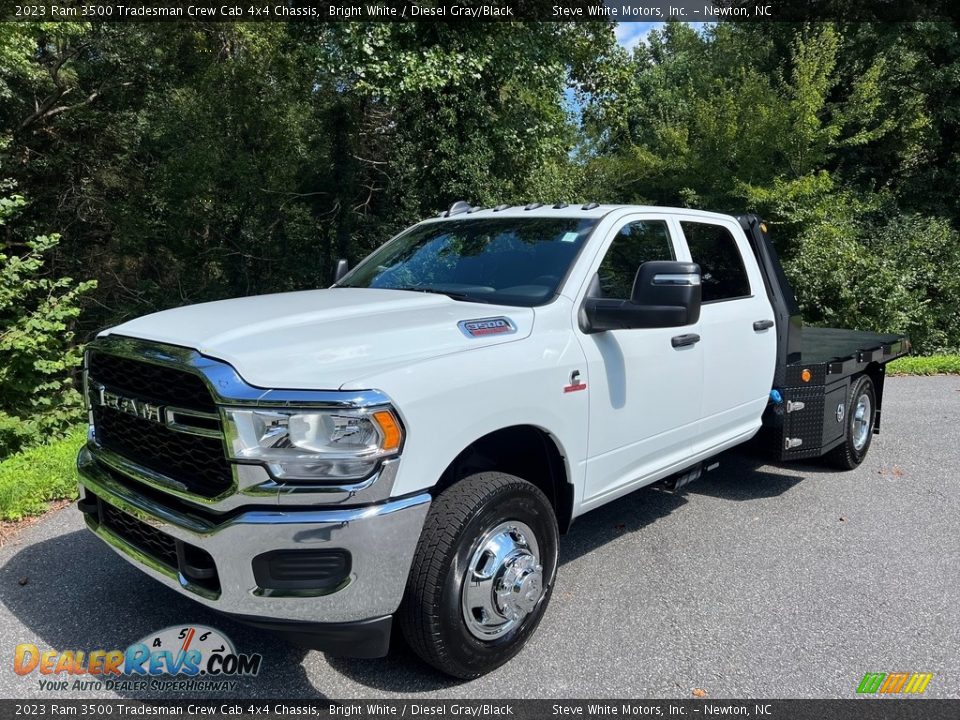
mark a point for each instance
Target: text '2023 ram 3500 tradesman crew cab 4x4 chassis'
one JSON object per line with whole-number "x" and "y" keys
{"x": 407, "y": 445}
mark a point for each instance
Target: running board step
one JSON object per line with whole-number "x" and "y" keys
{"x": 674, "y": 483}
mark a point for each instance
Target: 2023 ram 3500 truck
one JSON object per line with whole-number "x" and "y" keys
{"x": 409, "y": 444}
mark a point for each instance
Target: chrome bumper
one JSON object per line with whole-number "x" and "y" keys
{"x": 380, "y": 538}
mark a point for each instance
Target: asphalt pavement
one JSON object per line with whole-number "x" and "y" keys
{"x": 759, "y": 581}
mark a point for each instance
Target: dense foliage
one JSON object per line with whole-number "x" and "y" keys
{"x": 845, "y": 138}
{"x": 186, "y": 162}
{"x": 38, "y": 359}
{"x": 182, "y": 163}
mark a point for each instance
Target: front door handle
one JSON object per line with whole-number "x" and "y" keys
{"x": 684, "y": 340}
{"x": 761, "y": 325}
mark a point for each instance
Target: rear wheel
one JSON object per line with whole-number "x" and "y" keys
{"x": 482, "y": 575}
{"x": 861, "y": 415}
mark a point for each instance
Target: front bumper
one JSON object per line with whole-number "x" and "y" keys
{"x": 380, "y": 538}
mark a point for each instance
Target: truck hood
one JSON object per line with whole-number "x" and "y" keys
{"x": 324, "y": 339}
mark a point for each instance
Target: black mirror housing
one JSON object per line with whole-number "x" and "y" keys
{"x": 669, "y": 284}
{"x": 343, "y": 267}
{"x": 665, "y": 294}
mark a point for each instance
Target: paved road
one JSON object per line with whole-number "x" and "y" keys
{"x": 760, "y": 581}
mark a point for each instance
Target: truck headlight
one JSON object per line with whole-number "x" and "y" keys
{"x": 313, "y": 444}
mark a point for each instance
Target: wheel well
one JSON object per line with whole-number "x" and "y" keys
{"x": 522, "y": 450}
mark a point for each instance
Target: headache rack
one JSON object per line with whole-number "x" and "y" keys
{"x": 815, "y": 365}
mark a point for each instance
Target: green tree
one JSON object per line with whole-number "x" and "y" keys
{"x": 826, "y": 130}
{"x": 193, "y": 162}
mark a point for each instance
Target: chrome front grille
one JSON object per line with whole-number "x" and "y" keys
{"x": 186, "y": 447}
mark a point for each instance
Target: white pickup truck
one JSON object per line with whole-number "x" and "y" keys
{"x": 409, "y": 444}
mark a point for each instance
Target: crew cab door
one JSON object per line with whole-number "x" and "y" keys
{"x": 644, "y": 385}
{"x": 736, "y": 328}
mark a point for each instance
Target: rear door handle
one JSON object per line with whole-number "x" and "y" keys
{"x": 684, "y": 340}
{"x": 761, "y": 325}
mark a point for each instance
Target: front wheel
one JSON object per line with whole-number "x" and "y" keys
{"x": 482, "y": 574}
{"x": 861, "y": 410}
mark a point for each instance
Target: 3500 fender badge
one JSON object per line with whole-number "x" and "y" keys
{"x": 482, "y": 327}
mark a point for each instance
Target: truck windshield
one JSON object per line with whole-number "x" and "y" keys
{"x": 509, "y": 261}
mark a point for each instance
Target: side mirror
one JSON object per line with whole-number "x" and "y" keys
{"x": 343, "y": 267}
{"x": 665, "y": 294}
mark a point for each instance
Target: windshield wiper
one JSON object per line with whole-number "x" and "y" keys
{"x": 437, "y": 291}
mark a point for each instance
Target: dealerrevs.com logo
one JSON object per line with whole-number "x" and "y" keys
{"x": 191, "y": 658}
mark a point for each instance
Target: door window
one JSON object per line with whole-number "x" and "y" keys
{"x": 636, "y": 243}
{"x": 713, "y": 248}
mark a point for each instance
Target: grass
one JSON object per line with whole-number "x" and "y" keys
{"x": 31, "y": 478}
{"x": 925, "y": 365}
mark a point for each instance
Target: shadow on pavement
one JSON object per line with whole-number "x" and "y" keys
{"x": 741, "y": 477}
{"x": 80, "y": 595}
{"x": 401, "y": 671}
{"x": 609, "y": 522}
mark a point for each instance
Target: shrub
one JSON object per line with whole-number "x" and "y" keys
{"x": 38, "y": 357}
{"x": 899, "y": 276}
{"x": 857, "y": 261}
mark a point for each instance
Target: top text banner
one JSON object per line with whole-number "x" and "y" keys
{"x": 476, "y": 10}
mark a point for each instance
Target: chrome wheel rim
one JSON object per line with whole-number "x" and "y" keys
{"x": 862, "y": 422}
{"x": 503, "y": 582}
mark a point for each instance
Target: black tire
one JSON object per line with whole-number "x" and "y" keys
{"x": 431, "y": 615}
{"x": 848, "y": 455}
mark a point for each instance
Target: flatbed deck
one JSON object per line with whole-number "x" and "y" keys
{"x": 824, "y": 345}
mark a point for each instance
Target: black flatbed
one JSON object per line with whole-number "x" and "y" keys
{"x": 824, "y": 345}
